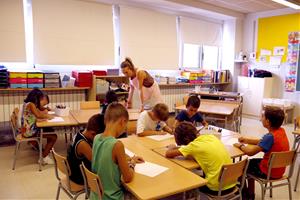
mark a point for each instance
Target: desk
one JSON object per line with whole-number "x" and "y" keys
{"x": 232, "y": 95}
{"x": 175, "y": 180}
{"x": 68, "y": 121}
{"x": 82, "y": 116}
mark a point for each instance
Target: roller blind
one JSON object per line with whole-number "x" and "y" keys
{"x": 149, "y": 38}
{"x": 12, "y": 31}
{"x": 194, "y": 31}
{"x": 72, "y": 32}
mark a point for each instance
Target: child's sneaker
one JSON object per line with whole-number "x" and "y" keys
{"x": 48, "y": 160}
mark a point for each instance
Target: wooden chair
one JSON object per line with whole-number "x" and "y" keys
{"x": 92, "y": 182}
{"x": 72, "y": 189}
{"x": 277, "y": 160}
{"x": 231, "y": 174}
{"x": 85, "y": 105}
{"x": 18, "y": 136}
{"x": 296, "y": 146}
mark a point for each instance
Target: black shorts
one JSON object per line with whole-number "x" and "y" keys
{"x": 206, "y": 190}
{"x": 254, "y": 169}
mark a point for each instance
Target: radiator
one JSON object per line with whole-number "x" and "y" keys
{"x": 12, "y": 99}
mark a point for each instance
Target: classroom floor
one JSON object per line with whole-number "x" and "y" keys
{"x": 26, "y": 182}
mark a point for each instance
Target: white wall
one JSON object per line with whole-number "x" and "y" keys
{"x": 249, "y": 45}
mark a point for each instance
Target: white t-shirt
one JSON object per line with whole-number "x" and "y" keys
{"x": 145, "y": 123}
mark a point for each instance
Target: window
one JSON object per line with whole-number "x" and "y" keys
{"x": 201, "y": 56}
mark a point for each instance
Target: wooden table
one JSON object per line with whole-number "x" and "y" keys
{"x": 175, "y": 180}
{"x": 234, "y": 95}
{"x": 82, "y": 116}
{"x": 68, "y": 121}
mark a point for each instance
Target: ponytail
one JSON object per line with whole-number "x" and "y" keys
{"x": 127, "y": 63}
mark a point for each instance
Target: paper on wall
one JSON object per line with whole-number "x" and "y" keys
{"x": 265, "y": 52}
{"x": 275, "y": 60}
{"x": 56, "y": 119}
{"x": 149, "y": 169}
{"x": 160, "y": 137}
{"x": 278, "y": 51}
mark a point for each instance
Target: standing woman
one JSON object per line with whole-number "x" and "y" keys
{"x": 140, "y": 79}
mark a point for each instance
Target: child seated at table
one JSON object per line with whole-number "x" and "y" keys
{"x": 45, "y": 101}
{"x": 274, "y": 141}
{"x": 191, "y": 113}
{"x": 30, "y": 115}
{"x": 109, "y": 159}
{"x": 209, "y": 152}
{"x": 153, "y": 122}
{"x": 80, "y": 150}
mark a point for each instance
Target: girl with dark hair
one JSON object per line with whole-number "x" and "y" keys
{"x": 30, "y": 115}
{"x": 140, "y": 79}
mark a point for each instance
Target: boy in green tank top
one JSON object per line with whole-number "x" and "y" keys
{"x": 109, "y": 159}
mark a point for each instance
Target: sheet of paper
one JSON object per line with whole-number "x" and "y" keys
{"x": 149, "y": 169}
{"x": 278, "y": 51}
{"x": 129, "y": 153}
{"x": 231, "y": 141}
{"x": 51, "y": 112}
{"x": 265, "y": 52}
{"x": 275, "y": 60}
{"x": 56, "y": 119}
{"x": 160, "y": 137}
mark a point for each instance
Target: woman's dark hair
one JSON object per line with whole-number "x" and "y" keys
{"x": 127, "y": 63}
{"x": 34, "y": 96}
{"x": 275, "y": 116}
{"x": 185, "y": 133}
{"x": 111, "y": 96}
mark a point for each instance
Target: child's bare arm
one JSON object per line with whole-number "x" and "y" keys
{"x": 249, "y": 150}
{"x": 246, "y": 140}
{"x": 120, "y": 158}
{"x": 84, "y": 149}
{"x": 148, "y": 133}
{"x": 167, "y": 129}
{"x": 173, "y": 152}
{"x": 38, "y": 113}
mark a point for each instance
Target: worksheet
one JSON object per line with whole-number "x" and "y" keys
{"x": 56, "y": 119}
{"x": 149, "y": 169}
{"x": 231, "y": 141}
{"x": 129, "y": 153}
{"x": 160, "y": 137}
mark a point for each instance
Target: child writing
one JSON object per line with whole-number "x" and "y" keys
{"x": 80, "y": 150}
{"x": 30, "y": 115}
{"x": 44, "y": 101}
{"x": 109, "y": 158}
{"x": 274, "y": 141}
{"x": 153, "y": 122}
{"x": 207, "y": 150}
{"x": 191, "y": 113}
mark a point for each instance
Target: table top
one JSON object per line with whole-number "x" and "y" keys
{"x": 214, "y": 107}
{"x": 175, "y": 180}
{"x": 218, "y": 94}
{"x": 82, "y": 116}
{"x": 296, "y": 132}
{"x": 68, "y": 121}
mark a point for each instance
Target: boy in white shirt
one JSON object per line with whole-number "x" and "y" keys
{"x": 153, "y": 122}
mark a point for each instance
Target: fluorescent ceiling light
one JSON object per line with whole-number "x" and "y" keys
{"x": 290, "y": 3}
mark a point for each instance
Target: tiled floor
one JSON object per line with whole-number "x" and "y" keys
{"x": 26, "y": 182}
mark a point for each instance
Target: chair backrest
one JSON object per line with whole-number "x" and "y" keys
{"x": 85, "y": 105}
{"x": 91, "y": 181}
{"x": 61, "y": 164}
{"x": 185, "y": 99}
{"x": 297, "y": 123}
{"x": 14, "y": 122}
{"x": 230, "y": 174}
{"x": 282, "y": 159}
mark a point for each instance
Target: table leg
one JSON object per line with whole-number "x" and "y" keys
{"x": 225, "y": 122}
{"x": 41, "y": 150}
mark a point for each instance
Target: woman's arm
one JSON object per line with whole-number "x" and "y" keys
{"x": 119, "y": 157}
{"x": 129, "y": 99}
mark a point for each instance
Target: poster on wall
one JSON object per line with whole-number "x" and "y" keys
{"x": 292, "y": 60}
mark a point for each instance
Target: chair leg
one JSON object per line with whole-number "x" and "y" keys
{"x": 297, "y": 179}
{"x": 290, "y": 190}
{"x": 262, "y": 191}
{"x": 271, "y": 190}
{"x": 58, "y": 191}
{"x": 15, "y": 155}
{"x": 66, "y": 137}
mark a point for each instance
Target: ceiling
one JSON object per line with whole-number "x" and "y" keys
{"x": 245, "y": 6}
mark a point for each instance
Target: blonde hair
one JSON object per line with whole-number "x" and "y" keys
{"x": 114, "y": 112}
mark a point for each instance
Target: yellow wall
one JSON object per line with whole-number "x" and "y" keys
{"x": 273, "y": 31}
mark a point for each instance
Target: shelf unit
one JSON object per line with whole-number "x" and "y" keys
{"x": 45, "y": 89}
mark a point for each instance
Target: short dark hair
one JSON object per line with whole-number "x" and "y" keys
{"x": 35, "y": 96}
{"x": 275, "y": 116}
{"x": 193, "y": 101}
{"x": 114, "y": 112}
{"x": 111, "y": 96}
{"x": 185, "y": 133}
{"x": 161, "y": 111}
{"x": 96, "y": 123}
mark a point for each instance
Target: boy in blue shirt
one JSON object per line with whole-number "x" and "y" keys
{"x": 191, "y": 113}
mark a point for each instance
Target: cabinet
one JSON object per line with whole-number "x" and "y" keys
{"x": 254, "y": 90}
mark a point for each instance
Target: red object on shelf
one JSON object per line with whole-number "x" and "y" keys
{"x": 99, "y": 73}
{"x": 83, "y": 78}
{"x": 18, "y": 80}
{"x": 35, "y": 80}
